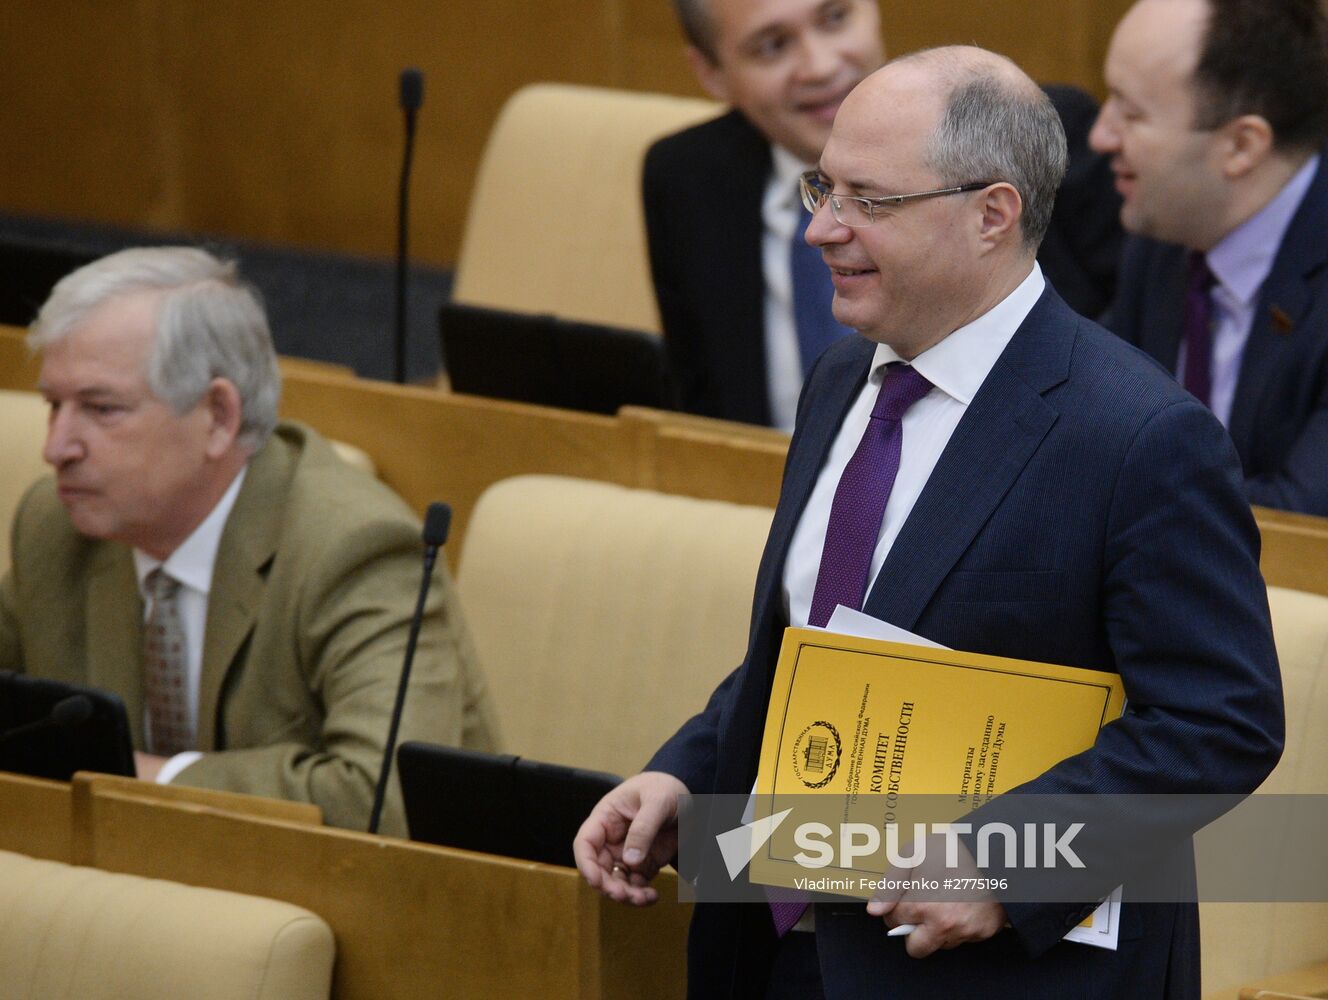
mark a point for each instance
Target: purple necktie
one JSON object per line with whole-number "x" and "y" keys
{"x": 851, "y": 535}
{"x": 1199, "y": 330}
{"x": 859, "y": 505}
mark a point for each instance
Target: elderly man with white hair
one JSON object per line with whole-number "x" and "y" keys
{"x": 246, "y": 592}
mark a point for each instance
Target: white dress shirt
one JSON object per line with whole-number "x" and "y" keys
{"x": 191, "y": 565}
{"x": 781, "y": 215}
{"x": 956, "y": 368}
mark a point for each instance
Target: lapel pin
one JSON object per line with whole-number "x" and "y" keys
{"x": 1281, "y": 321}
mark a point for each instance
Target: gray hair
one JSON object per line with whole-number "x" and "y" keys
{"x": 698, "y": 26}
{"x": 209, "y": 325}
{"x": 996, "y": 129}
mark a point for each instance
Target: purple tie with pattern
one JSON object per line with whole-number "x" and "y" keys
{"x": 1199, "y": 330}
{"x": 859, "y": 504}
{"x": 856, "y": 514}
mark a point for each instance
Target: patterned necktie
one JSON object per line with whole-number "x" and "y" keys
{"x": 853, "y": 530}
{"x": 812, "y": 294}
{"x": 164, "y": 669}
{"x": 859, "y": 504}
{"x": 1199, "y": 329}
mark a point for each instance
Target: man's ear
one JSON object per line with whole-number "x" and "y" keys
{"x": 224, "y": 412}
{"x": 708, "y": 73}
{"x": 1002, "y": 208}
{"x": 1246, "y": 142}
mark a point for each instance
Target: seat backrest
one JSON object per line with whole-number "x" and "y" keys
{"x": 605, "y": 616}
{"x": 23, "y": 416}
{"x": 555, "y": 222}
{"x": 68, "y": 932}
{"x": 1245, "y": 942}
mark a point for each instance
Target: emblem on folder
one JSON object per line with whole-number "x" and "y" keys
{"x": 816, "y": 754}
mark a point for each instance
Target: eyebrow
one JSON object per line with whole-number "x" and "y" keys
{"x": 855, "y": 187}
{"x": 91, "y": 392}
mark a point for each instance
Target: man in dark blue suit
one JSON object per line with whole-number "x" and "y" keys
{"x": 1216, "y": 122}
{"x": 989, "y": 470}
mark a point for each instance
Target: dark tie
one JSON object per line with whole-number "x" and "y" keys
{"x": 853, "y": 530}
{"x": 164, "y": 668}
{"x": 1199, "y": 330}
{"x": 859, "y": 504}
{"x": 812, "y": 295}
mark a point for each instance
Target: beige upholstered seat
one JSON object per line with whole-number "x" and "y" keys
{"x": 555, "y": 222}
{"x": 70, "y": 933}
{"x": 605, "y": 616}
{"x": 1246, "y": 942}
{"x": 23, "y": 419}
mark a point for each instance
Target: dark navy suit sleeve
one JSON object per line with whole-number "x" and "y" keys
{"x": 1186, "y": 618}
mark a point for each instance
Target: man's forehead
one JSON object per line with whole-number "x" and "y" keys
{"x": 737, "y": 21}
{"x": 109, "y": 345}
{"x": 1157, "y": 44}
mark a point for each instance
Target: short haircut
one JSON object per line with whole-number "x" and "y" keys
{"x": 998, "y": 127}
{"x": 1267, "y": 58}
{"x": 209, "y": 325}
{"x": 698, "y": 26}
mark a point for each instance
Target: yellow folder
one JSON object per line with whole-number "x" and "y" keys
{"x": 858, "y": 723}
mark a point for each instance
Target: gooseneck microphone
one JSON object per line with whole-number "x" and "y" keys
{"x": 71, "y": 711}
{"x": 411, "y": 97}
{"x": 437, "y": 522}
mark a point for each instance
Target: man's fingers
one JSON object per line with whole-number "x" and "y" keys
{"x": 651, "y": 817}
{"x": 590, "y": 847}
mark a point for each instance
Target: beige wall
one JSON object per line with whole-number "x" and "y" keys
{"x": 277, "y": 121}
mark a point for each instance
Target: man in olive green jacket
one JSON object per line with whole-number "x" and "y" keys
{"x": 292, "y": 575}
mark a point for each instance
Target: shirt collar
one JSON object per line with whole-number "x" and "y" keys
{"x": 788, "y": 168}
{"x": 192, "y": 563}
{"x": 1243, "y": 258}
{"x": 961, "y": 362}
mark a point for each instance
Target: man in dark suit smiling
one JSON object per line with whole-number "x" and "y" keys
{"x": 987, "y": 469}
{"x": 1216, "y": 126}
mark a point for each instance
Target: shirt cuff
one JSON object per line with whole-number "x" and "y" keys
{"x": 175, "y": 765}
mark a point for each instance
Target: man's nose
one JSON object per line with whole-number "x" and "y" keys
{"x": 820, "y": 57}
{"x": 1104, "y": 136}
{"x": 62, "y": 443}
{"x": 825, "y": 228}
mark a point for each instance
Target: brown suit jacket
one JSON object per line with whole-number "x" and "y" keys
{"x": 315, "y": 581}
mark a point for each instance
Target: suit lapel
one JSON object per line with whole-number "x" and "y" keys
{"x": 239, "y": 578}
{"x": 1288, "y": 294}
{"x": 114, "y": 642}
{"x": 1162, "y": 333}
{"x": 994, "y": 440}
{"x": 734, "y": 218}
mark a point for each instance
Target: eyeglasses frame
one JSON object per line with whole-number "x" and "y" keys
{"x": 813, "y": 197}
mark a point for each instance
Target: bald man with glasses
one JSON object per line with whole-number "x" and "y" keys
{"x": 987, "y": 469}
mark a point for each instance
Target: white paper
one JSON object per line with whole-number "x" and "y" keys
{"x": 1105, "y": 926}
{"x": 846, "y": 621}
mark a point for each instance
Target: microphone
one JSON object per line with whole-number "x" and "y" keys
{"x": 411, "y": 98}
{"x": 72, "y": 711}
{"x": 437, "y": 523}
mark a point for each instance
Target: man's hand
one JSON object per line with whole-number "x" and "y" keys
{"x": 629, "y": 836}
{"x": 941, "y": 923}
{"x": 147, "y": 765}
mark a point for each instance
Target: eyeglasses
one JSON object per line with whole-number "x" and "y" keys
{"x": 855, "y": 211}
